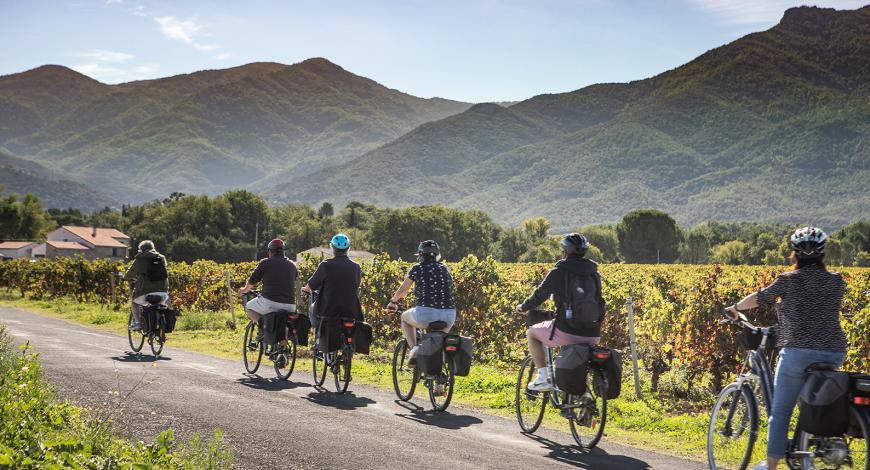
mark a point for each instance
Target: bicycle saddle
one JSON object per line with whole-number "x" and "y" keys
{"x": 821, "y": 366}
{"x": 437, "y": 325}
{"x": 154, "y": 299}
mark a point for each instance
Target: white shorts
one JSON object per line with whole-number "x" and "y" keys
{"x": 264, "y": 306}
{"x": 163, "y": 302}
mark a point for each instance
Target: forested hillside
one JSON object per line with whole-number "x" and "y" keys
{"x": 22, "y": 176}
{"x": 771, "y": 127}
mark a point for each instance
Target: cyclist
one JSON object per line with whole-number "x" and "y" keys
{"x": 337, "y": 279}
{"x": 559, "y": 332}
{"x": 433, "y": 288}
{"x": 148, "y": 273}
{"x": 808, "y": 328}
{"x": 278, "y": 275}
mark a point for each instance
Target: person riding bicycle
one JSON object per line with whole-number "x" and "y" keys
{"x": 337, "y": 280}
{"x": 808, "y": 328}
{"x": 433, "y": 289}
{"x": 278, "y": 275}
{"x": 560, "y": 332}
{"x": 148, "y": 273}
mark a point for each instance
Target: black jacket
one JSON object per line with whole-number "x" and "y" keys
{"x": 278, "y": 275}
{"x": 338, "y": 281}
{"x": 554, "y": 284}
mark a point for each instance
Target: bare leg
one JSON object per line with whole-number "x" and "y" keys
{"x": 536, "y": 349}
{"x": 252, "y": 315}
{"x": 772, "y": 463}
{"x": 137, "y": 312}
{"x": 408, "y": 329}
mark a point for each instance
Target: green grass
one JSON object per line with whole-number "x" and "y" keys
{"x": 650, "y": 423}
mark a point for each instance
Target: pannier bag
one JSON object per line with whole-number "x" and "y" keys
{"x": 169, "y": 318}
{"x": 459, "y": 349}
{"x": 303, "y": 328}
{"x": 859, "y": 386}
{"x": 430, "y": 354}
{"x": 750, "y": 339}
{"x": 824, "y": 403}
{"x": 610, "y": 362}
{"x": 275, "y": 327}
{"x": 571, "y": 368}
{"x": 329, "y": 336}
{"x": 362, "y": 337}
{"x": 150, "y": 319}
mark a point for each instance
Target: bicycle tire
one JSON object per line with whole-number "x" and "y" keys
{"x": 717, "y": 456}
{"x": 859, "y": 453}
{"x": 290, "y": 351}
{"x": 251, "y": 364}
{"x": 160, "y": 339}
{"x": 341, "y": 369}
{"x": 446, "y": 378}
{"x": 598, "y": 392}
{"x": 131, "y": 333}
{"x": 318, "y": 360}
{"x": 400, "y": 357}
{"x": 529, "y": 405}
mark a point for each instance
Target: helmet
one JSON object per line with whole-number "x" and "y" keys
{"x": 574, "y": 243}
{"x": 340, "y": 242}
{"x": 429, "y": 247}
{"x": 808, "y": 241}
{"x": 276, "y": 245}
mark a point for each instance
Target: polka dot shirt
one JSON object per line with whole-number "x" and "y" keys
{"x": 433, "y": 285}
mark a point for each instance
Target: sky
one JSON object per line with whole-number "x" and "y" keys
{"x": 470, "y": 50}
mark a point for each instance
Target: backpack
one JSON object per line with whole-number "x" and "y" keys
{"x": 585, "y": 306}
{"x": 157, "y": 269}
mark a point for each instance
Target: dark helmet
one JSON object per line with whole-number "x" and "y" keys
{"x": 429, "y": 248}
{"x": 574, "y": 243}
{"x": 808, "y": 241}
{"x": 276, "y": 246}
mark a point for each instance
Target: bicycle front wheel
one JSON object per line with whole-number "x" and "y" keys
{"x": 405, "y": 377}
{"x": 733, "y": 428}
{"x": 285, "y": 359}
{"x": 136, "y": 338}
{"x": 318, "y": 359}
{"x": 846, "y": 452}
{"x": 156, "y": 341}
{"x": 252, "y": 350}
{"x": 341, "y": 369}
{"x": 441, "y": 386}
{"x": 587, "y": 415}
{"x": 529, "y": 404}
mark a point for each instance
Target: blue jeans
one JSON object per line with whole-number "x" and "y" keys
{"x": 787, "y": 384}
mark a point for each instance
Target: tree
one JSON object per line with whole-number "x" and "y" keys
{"x": 732, "y": 252}
{"x": 248, "y": 212}
{"x": 648, "y": 236}
{"x": 512, "y": 243}
{"x": 326, "y": 211}
{"x": 23, "y": 219}
{"x": 604, "y": 238}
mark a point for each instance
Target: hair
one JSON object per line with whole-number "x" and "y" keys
{"x": 427, "y": 257}
{"x": 802, "y": 261}
{"x": 146, "y": 245}
{"x": 275, "y": 252}
{"x": 337, "y": 252}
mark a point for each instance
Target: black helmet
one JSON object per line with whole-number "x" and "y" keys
{"x": 574, "y": 243}
{"x": 430, "y": 248}
{"x": 808, "y": 241}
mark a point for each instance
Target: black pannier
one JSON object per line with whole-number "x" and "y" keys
{"x": 150, "y": 319}
{"x": 824, "y": 403}
{"x": 750, "y": 339}
{"x": 859, "y": 386}
{"x": 460, "y": 350}
{"x": 430, "y": 354}
{"x": 572, "y": 366}
{"x": 610, "y": 362}
{"x": 169, "y": 319}
{"x": 362, "y": 337}
{"x": 275, "y": 327}
{"x": 303, "y": 328}
{"x": 329, "y": 336}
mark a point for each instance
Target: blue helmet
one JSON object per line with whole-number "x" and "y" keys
{"x": 340, "y": 242}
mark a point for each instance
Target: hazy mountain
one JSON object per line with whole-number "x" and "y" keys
{"x": 203, "y": 132}
{"x": 774, "y": 126}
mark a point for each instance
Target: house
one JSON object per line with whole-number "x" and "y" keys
{"x": 323, "y": 253}
{"x": 69, "y": 240}
{"x": 14, "y": 250}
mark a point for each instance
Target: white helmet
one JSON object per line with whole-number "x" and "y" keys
{"x": 808, "y": 241}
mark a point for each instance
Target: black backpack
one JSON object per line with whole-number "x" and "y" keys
{"x": 585, "y": 306}
{"x": 157, "y": 269}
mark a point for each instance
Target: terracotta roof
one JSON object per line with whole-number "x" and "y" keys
{"x": 103, "y": 238}
{"x": 66, "y": 245}
{"x": 15, "y": 245}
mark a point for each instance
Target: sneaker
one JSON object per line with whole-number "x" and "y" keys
{"x": 136, "y": 326}
{"x": 259, "y": 338}
{"x": 761, "y": 466}
{"x": 586, "y": 398}
{"x": 438, "y": 389}
{"x": 541, "y": 384}
{"x": 412, "y": 356}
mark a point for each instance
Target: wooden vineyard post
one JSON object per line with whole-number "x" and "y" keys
{"x": 112, "y": 287}
{"x": 230, "y": 299}
{"x": 632, "y": 341}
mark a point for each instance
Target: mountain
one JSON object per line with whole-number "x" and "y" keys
{"x": 774, "y": 126}
{"x": 207, "y": 131}
{"x": 22, "y": 176}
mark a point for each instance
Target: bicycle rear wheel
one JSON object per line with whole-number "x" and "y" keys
{"x": 341, "y": 369}
{"x": 285, "y": 358}
{"x": 588, "y": 418}
{"x": 156, "y": 341}
{"x": 529, "y": 404}
{"x": 136, "y": 338}
{"x": 318, "y": 359}
{"x": 441, "y": 386}
{"x": 252, "y": 350}
{"x": 404, "y": 377}
{"x": 733, "y": 428}
{"x": 846, "y": 452}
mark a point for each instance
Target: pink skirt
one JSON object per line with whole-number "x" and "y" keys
{"x": 541, "y": 332}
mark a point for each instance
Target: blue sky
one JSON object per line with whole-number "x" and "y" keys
{"x": 472, "y": 50}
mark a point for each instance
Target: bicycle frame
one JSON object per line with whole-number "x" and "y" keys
{"x": 759, "y": 374}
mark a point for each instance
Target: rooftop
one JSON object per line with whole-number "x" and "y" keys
{"x": 104, "y": 236}
{"x": 15, "y": 245}
{"x": 66, "y": 245}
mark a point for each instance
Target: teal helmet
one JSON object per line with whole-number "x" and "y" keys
{"x": 340, "y": 243}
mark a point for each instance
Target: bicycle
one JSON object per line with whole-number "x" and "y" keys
{"x": 155, "y": 333}
{"x": 338, "y": 361}
{"x": 734, "y": 421}
{"x": 282, "y": 355}
{"x": 586, "y": 414}
{"x": 440, "y": 385}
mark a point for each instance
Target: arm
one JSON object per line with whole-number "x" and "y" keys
{"x": 748, "y": 303}
{"x": 132, "y": 271}
{"x": 763, "y": 298}
{"x": 541, "y": 294}
{"x": 316, "y": 280}
{"x": 401, "y": 292}
{"x": 256, "y": 277}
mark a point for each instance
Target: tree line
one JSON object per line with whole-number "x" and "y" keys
{"x": 235, "y": 226}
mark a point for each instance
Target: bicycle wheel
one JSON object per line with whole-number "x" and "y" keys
{"x": 404, "y": 377}
{"x": 252, "y": 350}
{"x": 341, "y": 369}
{"x": 733, "y": 428}
{"x": 319, "y": 361}
{"x": 156, "y": 341}
{"x": 529, "y": 404}
{"x": 136, "y": 338}
{"x": 846, "y": 452}
{"x": 285, "y": 359}
{"x": 441, "y": 386}
{"x": 586, "y": 418}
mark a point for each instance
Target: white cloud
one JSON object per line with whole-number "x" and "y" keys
{"x": 103, "y": 55}
{"x": 206, "y": 47}
{"x": 178, "y": 29}
{"x": 755, "y": 12}
{"x": 139, "y": 11}
{"x": 100, "y": 71}
{"x": 110, "y": 2}
{"x": 223, "y": 56}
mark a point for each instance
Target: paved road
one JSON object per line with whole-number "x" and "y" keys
{"x": 273, "y": 424}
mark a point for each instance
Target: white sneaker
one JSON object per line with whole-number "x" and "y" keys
{"x": 412, "y": 356}
{"x": 761, "y": 466}
{"x": 541, "y": 384}
{"x": 136, "y": 326}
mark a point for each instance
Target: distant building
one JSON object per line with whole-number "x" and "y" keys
{"x": 323, "y": 253}
{"x": 89, "y": 242}
{"x": 14, "y": 250}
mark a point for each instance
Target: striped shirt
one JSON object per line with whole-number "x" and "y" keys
{"x": 809, "y": 313}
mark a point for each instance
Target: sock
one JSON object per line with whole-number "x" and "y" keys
{"x": 542, "y": 374}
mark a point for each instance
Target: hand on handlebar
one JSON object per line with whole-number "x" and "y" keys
{"x": 520, "y": 309}
{"x": 731, "y": 312}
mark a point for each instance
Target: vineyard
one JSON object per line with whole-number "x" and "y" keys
{"x": 675, "y": 306}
